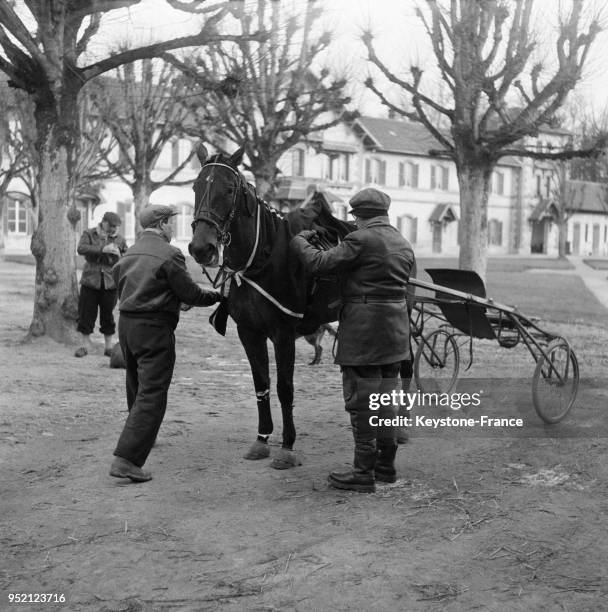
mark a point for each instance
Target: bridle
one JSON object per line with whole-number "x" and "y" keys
{"x": 222, "y": 226}
{"x": 208, "y": 215}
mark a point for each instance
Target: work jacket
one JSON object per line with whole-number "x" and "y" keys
{"x": 98, "y": 265}
{"x": 153, "y": 280}
{"x": 373, "y": 266}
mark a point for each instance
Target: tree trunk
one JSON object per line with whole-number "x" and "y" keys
{"x": 55, "y": 239}
{"x": 473, "y": 180}
{"x": 141, "y": 189}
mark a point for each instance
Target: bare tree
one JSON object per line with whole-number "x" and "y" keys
{"x": 143, "y": 110}
{"x": 267, "y": 95}
{"x": 42, "y": 50}
{"x": 484, "y": 52}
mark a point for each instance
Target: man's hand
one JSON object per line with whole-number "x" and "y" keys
{"x": 111, "y": 248}
{"x": 308, "y": 234}
{"x": 216, "y": 295}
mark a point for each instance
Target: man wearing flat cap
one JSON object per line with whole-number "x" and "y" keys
{"x": 373, "y": 265}
{"x": 102, "y": 247}
{"x": 152, "y": 282}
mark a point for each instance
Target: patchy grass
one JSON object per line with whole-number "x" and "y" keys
{"x": 597, "y": 264}
{"x": 552, "y": 297}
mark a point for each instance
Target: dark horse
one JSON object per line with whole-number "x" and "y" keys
{"x": 229, "y": 216}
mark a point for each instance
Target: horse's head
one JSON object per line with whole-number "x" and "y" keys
{"x": 222, "y": 196}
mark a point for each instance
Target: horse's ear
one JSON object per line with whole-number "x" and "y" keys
{"x": 237, "y": 157}
{"x": 201, "y": 153}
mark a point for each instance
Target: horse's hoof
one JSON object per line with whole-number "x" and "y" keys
{"x": 285, "y": 459}
{"x": 258, "y": 450}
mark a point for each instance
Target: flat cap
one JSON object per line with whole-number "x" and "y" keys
{"x": 112, "y": 218}
{"x": 150, "y": 215}
{"x": 369, "y": 202}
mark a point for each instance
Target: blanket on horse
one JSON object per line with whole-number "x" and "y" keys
{"x": 280, "y": 276}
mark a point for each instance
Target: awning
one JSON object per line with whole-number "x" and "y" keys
{"x": 443, "y": 212}
{"x": 339, "y": 147}
{"x": 290, "y": 189}
{"x": 545, "y": 209}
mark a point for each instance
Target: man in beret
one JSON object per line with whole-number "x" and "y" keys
{"x": 373, "y": 265}
{"x": 102, "y": 247}
{"x": 152, "y": 282}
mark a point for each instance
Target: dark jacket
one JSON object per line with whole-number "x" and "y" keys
{"x": 373, "y": 266}
{"x": 152, "y": 280}
{"x": 98, "y": 265}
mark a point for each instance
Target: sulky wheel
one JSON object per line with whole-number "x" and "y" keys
{"x": 437, "y": 362}
{"x": 555, "y": 381}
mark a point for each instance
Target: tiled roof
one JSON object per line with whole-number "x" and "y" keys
{"x": 585, "y": 196}
{"x": 396, "y": 136}
{"x": 408, "y": 137}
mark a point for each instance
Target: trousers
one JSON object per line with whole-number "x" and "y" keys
{"x": 148, "y": 346}
{"x": 358, "y": 383}
{"x": 89, "y": 300}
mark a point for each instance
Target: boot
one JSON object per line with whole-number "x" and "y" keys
{"x": 385, "y": 461}
{"x": 361, "y": 477}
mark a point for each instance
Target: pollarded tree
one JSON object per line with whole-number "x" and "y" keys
{"x": 266, "y": 95}
{"x": 142, "y": 108}
{"x": 485, "y": 53}
{"x": 42, "y": 51}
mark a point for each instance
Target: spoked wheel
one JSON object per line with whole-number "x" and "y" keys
{"x": 555, "y": 382}
{"x": 437, "y": 362}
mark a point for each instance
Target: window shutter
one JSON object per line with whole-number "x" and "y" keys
{"x": 382, "y": 172}
{"x": 368, "y": 171}
{"x": 433, "y": 179}
{"x": 499, "y": 232}
{"x": 414, "y": 236}
{"x": 414, "y": 175}
{"x": 445, "y": 178}
{"x": 401, "y": 174}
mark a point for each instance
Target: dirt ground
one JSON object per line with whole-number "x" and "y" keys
{"x": 474, "y": 523}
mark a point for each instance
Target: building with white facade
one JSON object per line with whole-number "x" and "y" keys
{"x": 393, "y": 156}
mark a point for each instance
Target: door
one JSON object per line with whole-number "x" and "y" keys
{"x": 576, "y": 239}
{"x": 596, "y": 239}
{"x": 437, "y": 231}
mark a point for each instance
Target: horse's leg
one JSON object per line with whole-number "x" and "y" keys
{"x": 285, "y": 355}
{"x": 256, "y": 349}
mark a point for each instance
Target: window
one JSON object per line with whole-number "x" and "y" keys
{"x": 605, "y": 233}
{"x": 495, "y": 232}
{"x": 297, "y": 162}
{"x": 194, "y": 163}
{"x": 375, "y": 171}
{"x": 538, "y": 184}
{"x": 499, "y": 183}
{"x": 181, "y": 222}
{"x": 586, "y": 232}
{"x": 341, "y": 211}
{"x": 175, "y": 154}
{"x": 125, "y": 212}
{"x": 440, "y": 176}
{"x": 408, "y": 174}
{"x": 17, "y": 217}
{"x": 548, "y": 185}
{"x": 338, "y": 167}
{"x": 408, "y": 227}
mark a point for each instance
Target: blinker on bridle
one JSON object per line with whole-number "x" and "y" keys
{"x": 207, "y": 214}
